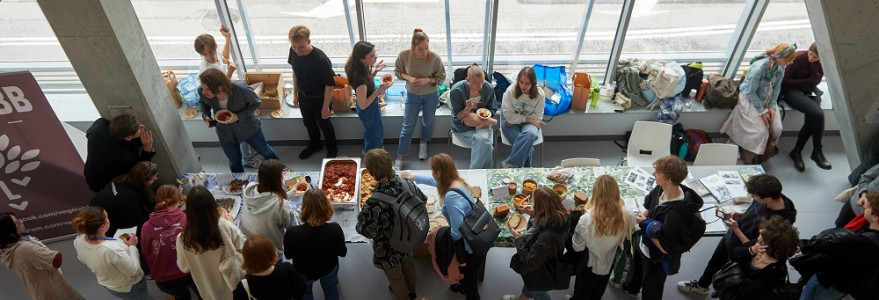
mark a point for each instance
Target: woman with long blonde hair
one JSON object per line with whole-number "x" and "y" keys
{"x": 457, "y": 202}
{"x": 602, "y": 228}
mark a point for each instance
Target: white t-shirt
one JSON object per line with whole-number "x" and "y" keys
{"x": 219, "y": 66}
{"x": 116, "y": 264}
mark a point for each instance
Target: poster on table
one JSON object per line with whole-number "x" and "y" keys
{"x": 41, "y": 178}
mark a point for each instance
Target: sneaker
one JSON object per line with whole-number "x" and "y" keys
{"x": 622, "y": 289}
{"x": 398, "y": 165}
{"x": 457, "y": 288}
{"x": 332, "y": 153}
{"x": 692, "y": 286}
{"x": 248, "y": 164}
{"x": 507, "y": 165}
{"x": 422, "y": 151}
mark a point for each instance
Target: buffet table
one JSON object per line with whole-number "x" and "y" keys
{"x": 487, "y": 180}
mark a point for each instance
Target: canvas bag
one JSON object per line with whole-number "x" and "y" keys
{"x": 342, "y": 97}
{"x": 556, "y": 80}
{"x": 721, "y": 92}
{"x": 666, "y": 80}
{"x": 624, "y": 263}
{"x": 582, "y": 91}
{"x": 479, "y": 228}
{"x": 410, "y": 219}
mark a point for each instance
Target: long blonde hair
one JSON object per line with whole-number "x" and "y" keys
{"x": 607, "y": 207}
{"x": 443, "y": 167}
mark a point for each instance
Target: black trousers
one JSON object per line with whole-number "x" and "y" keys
{"x": 653, "y": 279}
{"x": 311, "y": 118}
{"x": 810, "y": 106}
{"x": 179, "y": 288}
{"x": 470, "y": 282}
{"x": 589, "y": 286}
{"x": 846, "y": 214}
{"x": 718, "y": 259}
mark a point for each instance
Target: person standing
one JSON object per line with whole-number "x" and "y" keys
{"x": 35, "y": 264}
{"x": 464, "y": 98}
{"x": 423, "y": 71}
{"x": 114, "y": 146}
{"x": 800, "y": 90}
{"x": 158, "y": 239}
{"x": 267, "y": 210}
{"x": 129, "y": 199}
{"x": 313, "y": 83}
{"x": 361, "y": 69}
{"x": 754, "y": 123}
{"x": 218, "y": 93}
{"x": 267, "y": 276}
{"x": 315, "y": 246}
{"x": 522, "y": 115}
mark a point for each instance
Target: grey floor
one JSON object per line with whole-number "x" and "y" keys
{"x": 812, "y": 191}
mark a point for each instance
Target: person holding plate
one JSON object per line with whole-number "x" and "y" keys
{"x": 234, "y": 104}
{"x": 361, "y": 69}
{"x": 464, "y": 97}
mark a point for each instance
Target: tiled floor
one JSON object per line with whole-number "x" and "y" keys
{"x": 812, "y": 191}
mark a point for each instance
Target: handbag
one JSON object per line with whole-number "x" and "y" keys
{"x": 786, "y": 291}
{"x": 721, "y": 92}
{"x": 728, "y": 279}
{"x": 623, "y": 263}
{"x": 478, "y": 228}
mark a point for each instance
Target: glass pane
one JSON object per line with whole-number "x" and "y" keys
{"x": 27, "y": 42}
{"x": 468, "y": 30}
{"x": 390, "y": 26}
{"x": 171, "y": 28}
{"x": 544, "y": 33}
{"x": 599, "y": 38}
{"x": 271, "y": 20}
{"x": 783, "y": 22}
{"x": 683, "y": 31}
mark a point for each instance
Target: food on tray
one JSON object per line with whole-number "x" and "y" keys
{"x": 580, "y": 197}
{"x": 431, "y": 204}
{"x": 520, "y": 199}
{"x": 278, "y": 113}
{"x": 560, "y": 175}
{"x": 339, "y": 180}
{"x": 387, "y": 78}
{"x": 224, "y": 116}
{"x": 226, "y": 203}
{"x": 561, "y": 190}
{"x": 501, "y": 211}
{"x": 236, "y": 186}
{"x": 125, "y": 236}
{"x": 271, "y": 91}
{"x": 529, "y": 186}
{"x": 518, "y": 222}
{"x": 483, "y": 113}
{"x": 290, "y": 183}
{"x": 190, "y": 113}
{"x": 367, "y": 184}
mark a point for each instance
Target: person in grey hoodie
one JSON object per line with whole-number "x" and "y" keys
{"x": 522, "y": 114}
{"x": 267, "y": 211}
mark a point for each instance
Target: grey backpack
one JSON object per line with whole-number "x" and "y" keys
{"x": 410, "y": 219}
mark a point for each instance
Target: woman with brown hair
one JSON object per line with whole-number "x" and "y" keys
{"x": 267, "y": 277}
{"x": 543, "y": 241}
{"x": 209, "y": 247}
{"x": 801, "y": 79}
{"x": 129, "y": 199}
{"x": 601, "y": 229}
{"x": 158, "y": 240}
{"x": 754, "y": 124}
{"x": 267, "y": 210}
{"x": 114, "y": 262}
{"x": 457, "y": 202}
{"x": 361, "y": 69}
{"x": 522, "y": 115}
{"x": 375, "y": 222}
{"x": 315, "y": 246}
{"x": 423, "y": 71}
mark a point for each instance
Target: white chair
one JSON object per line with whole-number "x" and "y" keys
{"x": 717, "y": 154}
{"x": 649, "y": 141}
{"x": 457, "y": 140}
{"x": 580, "y": 162}
{"x": 538, "y": 141}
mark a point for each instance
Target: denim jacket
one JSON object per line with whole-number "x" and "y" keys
{"x": 755, "y": 85}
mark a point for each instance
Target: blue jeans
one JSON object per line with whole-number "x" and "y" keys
{"x": 481, "y": 147}
{"x": 330, "y": 284}
{"x": 539, "y": 295}
{"x": 426, "y": 104}
{"x": 139, "y": 291}
{"x": 247, "y": 152}
{"x": 522, "y": 136}
{"x": 257, "y": 141}
{"x": 815, "y": 291}
{"x": 373, "y": 131}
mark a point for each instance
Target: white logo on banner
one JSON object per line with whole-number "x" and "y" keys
{"x": 14, "y": 165}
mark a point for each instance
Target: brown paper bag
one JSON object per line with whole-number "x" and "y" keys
{"x": 171, "y": 82}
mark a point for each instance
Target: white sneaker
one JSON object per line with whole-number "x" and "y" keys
{"x": 506, "y": 165}
{"x": 692, "y": 286}
{"x": 422, "y": 151}
{"x": 398, "y": 165}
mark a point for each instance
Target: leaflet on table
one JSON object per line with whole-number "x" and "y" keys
{"x": 640, "y": 180}
{"x": 697, "y": 187}
{"x": 750, "y": 171}
{"x": 633, "y": 205}
{"x": 718, "y": 189}
{"x": 734, "y": 182}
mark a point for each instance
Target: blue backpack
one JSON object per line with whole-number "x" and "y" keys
{"x": 556, "y": 80}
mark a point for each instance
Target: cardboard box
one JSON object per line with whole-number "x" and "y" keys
{"x": 270, "y": 81}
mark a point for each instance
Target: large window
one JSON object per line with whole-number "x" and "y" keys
{"x": 390, "y": 26}
{"x": 599, "y": 37}
{"x": 783, "y": 22}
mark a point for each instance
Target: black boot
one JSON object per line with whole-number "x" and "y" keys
{"x": 818, "y": 157}
{"x": 798, "y": 160}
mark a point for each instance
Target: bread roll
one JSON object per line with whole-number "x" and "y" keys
{"x": 501, "y": 211}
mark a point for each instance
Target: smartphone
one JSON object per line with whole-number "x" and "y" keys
{"x": 721, "y": 215}
{"x": 212, "y": 123}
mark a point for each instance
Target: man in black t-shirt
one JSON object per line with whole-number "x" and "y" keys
{"x": 313, "y": 83}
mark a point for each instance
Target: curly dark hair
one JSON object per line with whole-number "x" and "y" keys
{"x": 780, "y": 236}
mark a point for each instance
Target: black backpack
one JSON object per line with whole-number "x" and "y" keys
{"x": 694, "y": 79}
{"x": 410, "y": 219}
{"x": 461, "y": 74}
{"x": 502, "y": 83}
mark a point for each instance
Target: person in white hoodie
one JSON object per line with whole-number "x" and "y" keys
{"x": 115, "y": 262}
{"x": 267, "y": 211}
{"x": 602, "y": 228}
{"x": 522, "y": 115}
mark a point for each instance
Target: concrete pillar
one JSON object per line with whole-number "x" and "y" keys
{"x": 849, "y": 47}
{"x": 108, "y": 49}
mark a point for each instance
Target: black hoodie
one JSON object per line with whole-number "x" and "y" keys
{"x": 677, "y": 225}
{"x": 749, "y": 223}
